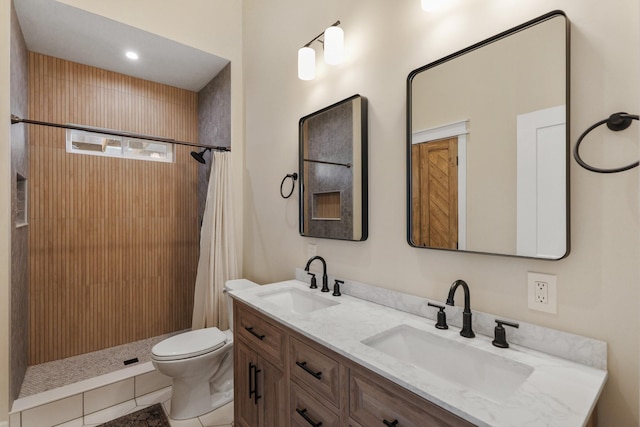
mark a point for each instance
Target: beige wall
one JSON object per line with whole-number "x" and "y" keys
{"x": 598, "y": 284}
{"x": 5, "y": 207}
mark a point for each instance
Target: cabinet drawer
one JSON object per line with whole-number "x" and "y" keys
{"x": 306, "y": 411}
{"x": 265, "y": 338}
{"x": 319, "y": 372}
{"x": 374, "y": 400}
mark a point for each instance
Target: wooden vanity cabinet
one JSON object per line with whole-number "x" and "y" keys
{"x": 260, "y": 382}
{"x": 317, "y": 384}
{"x": 374, "y": 400}
{"x": 262, "y": 333}
{"x": 285, "y": 379}
{"x": 315, "y": 371}
{"x": 307, "y": 410}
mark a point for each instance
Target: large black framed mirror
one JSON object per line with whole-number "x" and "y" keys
{"x": 487, "y": 145}
{"x": 333, "y": 171}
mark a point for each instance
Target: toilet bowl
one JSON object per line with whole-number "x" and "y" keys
{"x": 200, "y": 363}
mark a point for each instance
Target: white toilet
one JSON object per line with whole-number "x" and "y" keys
{"x": 201, "y": 365}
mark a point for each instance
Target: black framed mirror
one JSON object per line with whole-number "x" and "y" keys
{"x": 487, "y": 145}
{"x": 333, "y": 171}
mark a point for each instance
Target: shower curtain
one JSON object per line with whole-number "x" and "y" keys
{"x": 217, "y": 262}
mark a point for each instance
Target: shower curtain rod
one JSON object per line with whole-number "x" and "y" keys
{"x": 16, "y": 119}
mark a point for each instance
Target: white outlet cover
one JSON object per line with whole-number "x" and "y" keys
{"x": 552, "y": 305}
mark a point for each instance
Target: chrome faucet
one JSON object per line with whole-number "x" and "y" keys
{"x": 466, "y": 331}
{"x": 325, "y": 278}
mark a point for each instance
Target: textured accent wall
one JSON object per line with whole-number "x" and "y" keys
{"x": 330, "y": 139}
{"x": 19, "y": 235}
{"x": 214, "y": 125}
{"x": 113, "y": 242}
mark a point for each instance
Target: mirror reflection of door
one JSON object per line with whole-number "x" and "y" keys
{"x": 434, "y": 194}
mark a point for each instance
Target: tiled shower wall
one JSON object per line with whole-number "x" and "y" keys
{"x": 214, "y": 125}
{"x": 327, "y": 133}
{"x": 19, "y": 235}
{"x": 113, "y": 242}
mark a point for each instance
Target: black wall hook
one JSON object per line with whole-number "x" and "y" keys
{"x": 294, "y": 178}
{"x": 616, "y": 122}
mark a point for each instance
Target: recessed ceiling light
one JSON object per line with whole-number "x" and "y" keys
{"x": 132, "y": 55}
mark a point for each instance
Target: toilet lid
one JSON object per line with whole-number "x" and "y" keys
{"x": 189, "y": 344}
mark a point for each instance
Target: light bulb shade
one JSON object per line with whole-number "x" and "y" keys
{"x": 306, "y": 63}
{"x": 333, "y": 45}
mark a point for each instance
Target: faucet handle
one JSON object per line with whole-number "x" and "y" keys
{"x": 314, "y": 283}
{"x": 336, "y": 288}
{"x": 442, "y": 316}
{"x": 500, "y": 339}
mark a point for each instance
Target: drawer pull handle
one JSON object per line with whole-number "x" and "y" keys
{"x": 393, "y": 423}
{"x": 256, "y": 396}
{"x": 251, "y": 377}
{"x": 253, "y": 385}
{"x": 254, "y": 333}
{"x": 303, "y": 414}
{"x": 303, "y": 365}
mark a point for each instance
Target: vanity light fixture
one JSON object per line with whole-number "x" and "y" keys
{"x": 333, "y": 44}
{"x": 306, "y": 63}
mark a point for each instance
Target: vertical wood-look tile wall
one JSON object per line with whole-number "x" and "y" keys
{"x": 113, "y": 242}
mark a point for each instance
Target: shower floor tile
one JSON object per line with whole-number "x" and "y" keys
{"x": 58, "y": 373}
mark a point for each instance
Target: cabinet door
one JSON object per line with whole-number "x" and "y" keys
{"x": 273, "y": 402}
{"x": 245, "y": 364}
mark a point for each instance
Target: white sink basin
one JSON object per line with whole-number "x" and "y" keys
{"x": 297, "y": 301}
{"x": 491, "y": 376}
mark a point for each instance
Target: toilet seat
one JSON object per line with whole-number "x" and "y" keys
{"x": 189, "y": 344}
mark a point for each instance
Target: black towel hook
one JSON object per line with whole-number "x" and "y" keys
{"x": 294, "y": 177}
{"x": 615, "y": 122}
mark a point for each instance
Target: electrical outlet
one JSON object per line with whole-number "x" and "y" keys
{"x": 311, "y": 250}
{"x": 542, "y": 292}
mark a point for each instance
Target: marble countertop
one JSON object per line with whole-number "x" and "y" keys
{"x": 558, "y": 392}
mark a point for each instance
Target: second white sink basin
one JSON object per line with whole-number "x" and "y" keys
{"x": 296, "y": 300}
{"x": 490, "y": 376}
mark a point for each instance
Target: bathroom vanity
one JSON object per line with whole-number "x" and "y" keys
{"x": 306, "y": 358}
{"x": 284, "y": 379}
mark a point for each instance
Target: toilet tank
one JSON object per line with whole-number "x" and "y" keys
{"x": 235, "y": 285}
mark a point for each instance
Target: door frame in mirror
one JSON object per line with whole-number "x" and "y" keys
{"x": 457, "y": 54}
{"x": 360, "y": 179}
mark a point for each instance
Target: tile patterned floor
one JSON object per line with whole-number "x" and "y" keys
{"x": 51, "y": 375}
{"x": 221, "y": 417}
{"x": 152, "y": 416}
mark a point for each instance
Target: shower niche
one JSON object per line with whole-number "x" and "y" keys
{"x": 333, "y": 171}
{"x": 21, "y": 201}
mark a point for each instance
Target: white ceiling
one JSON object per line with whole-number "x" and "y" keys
{"x": 56, "y": 29}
